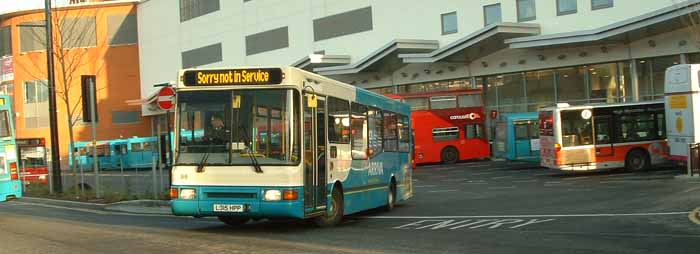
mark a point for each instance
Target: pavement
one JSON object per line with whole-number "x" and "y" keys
{"x": 473, "y": 207}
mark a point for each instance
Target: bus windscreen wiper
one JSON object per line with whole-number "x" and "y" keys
{"x": 247, "y": 141}
{"x": 203, "y": 162}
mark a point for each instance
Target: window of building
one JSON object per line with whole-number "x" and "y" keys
{"x": 443, "y": 102}
{"x": 540, "y": 89}
{"x": 375, "y": 125}
{"x": 5, "y": 130}
{"x": 382, "y": 90}
{"x": 78, "y": 32}
{"x": 404, "y": 134}
{"x": 492, "y": 14}
{"x": 86, "y": 83}
{"x": 190, "y": 9}
{"x": 338, "y": 121}
{"x": 358, "y": 128}
{"x": 526, "y": 10}
{"x": 5, "y": 41}
{"x": 449, "y": 23}
{"x": 601, "y": 4}
{"x": 391, "y": 133}
{"x": 511, "y": 94}
{"x": 469, "y": 100}
{"x": 651, "y": 74}
{"x": 446, "y": 134}
{"x": 565, "y": 7}
{"x": 434, "y": 86}
{"x": 571, "y": 85}
{"x": 32, "y": 37}
{"x": 609, "y": 82}
{"x": 36, "y": 92}
{"x": 417, "y": 103}
{"x": 126, "y": 117}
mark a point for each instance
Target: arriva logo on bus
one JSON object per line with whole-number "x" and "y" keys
{"x": 471, "y": 116}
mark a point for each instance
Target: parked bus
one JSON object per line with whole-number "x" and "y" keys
{"x": 591, "y": 137}
{"x": 334, "y": 150}
{"x": 517, "y": 137}
{"x": 10, "y": 183}
{"x": 33, "y": 160}
{"x": 448, "y": 125}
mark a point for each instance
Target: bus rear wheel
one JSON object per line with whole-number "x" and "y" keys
{"x": 449, "y": 155}
{"x": 637, "y": 160}
{"x": 233, "y": 221}
{"x": 334, "y": 213}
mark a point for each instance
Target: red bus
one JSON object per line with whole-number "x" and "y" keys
{"x": 33, "y": 166}
{"x": 448, "y": 125}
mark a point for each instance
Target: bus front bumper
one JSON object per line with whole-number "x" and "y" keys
{"x": 250, "y": 199}
{"x": 9, "y": 189}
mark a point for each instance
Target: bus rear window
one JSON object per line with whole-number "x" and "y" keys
{"x": 5, "y": 124}
{"x": 576, "y": 128}
{"x": 546, "y": 123}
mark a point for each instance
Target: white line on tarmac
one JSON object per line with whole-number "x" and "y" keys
{"x": 525, "y": 181}
{"x": 501, "y": 187}
{"x": 501, "y": 177}
{"x": 575, "y": 178}
{"x": 424, "y": 186}
{"x": 440, "y": 191}
{"x": 529, "y": 216}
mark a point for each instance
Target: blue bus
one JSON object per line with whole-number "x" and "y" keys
{"x": 10, "y": 185}
{"x": 517, "y": 137}
{"x": 285, "y": 143}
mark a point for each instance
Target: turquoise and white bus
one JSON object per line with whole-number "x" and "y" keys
{"x": 281, "y": 142}
{"x": 10, "y": 185}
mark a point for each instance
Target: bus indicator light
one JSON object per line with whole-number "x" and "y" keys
{"x": 290, "y": 195}
{"x": 557, "y": 147}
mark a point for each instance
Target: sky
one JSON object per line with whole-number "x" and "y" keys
{"x": 15, "y": 5}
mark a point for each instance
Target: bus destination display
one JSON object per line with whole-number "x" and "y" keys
{"x": 233, "y": 77}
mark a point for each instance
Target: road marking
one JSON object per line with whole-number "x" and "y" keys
{"x": 694, "y": 216}
{"x": 424, "y": 186}
{"x": 691, "y": 189}
{"x": 553, "y": 182}
{"x": 483, "y": 173}
{"x": 525, "y": 181}
{"x": 456, "y": 180}
{"x": 475, "y": 182}
{"x": 528, "y": 216}
{"x": 501, "y": 177}
{"x": 100, "y": 212}
{"x": 501, "y": 188}
{"x": 542, "y": 174}
{"x": 440, "y": 191}
{"x": 471, "y": 224}
{"x": 575, "y": 178}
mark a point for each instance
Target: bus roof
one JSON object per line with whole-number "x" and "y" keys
{"x": 300, "y": 79}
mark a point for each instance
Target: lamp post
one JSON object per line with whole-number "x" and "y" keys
{"x": 53, "y": 126}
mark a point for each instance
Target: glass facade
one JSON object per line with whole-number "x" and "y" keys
{"x": 651, "y": 73}
{"x": 435, "y": 86}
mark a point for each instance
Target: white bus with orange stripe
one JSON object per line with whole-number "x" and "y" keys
{"x": 603, "y": 136}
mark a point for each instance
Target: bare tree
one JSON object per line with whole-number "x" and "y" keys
{"x": 75, "y": 54}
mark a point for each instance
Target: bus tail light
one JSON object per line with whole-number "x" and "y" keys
{"x": 290, "y": 195}
{"x": 173, "y": 193}
{"x": 14, "y": 175}
{"x": 557, "y": 147}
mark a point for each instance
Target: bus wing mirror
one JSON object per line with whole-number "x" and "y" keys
{"x": 311, "y": 101}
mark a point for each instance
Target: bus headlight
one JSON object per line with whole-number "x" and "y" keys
{"x": 273, "y": 195}
{"x": 188, "y": 194}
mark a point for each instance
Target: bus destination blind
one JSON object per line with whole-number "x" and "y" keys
{"x": 228, "y": 77}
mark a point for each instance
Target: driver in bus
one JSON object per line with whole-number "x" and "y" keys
{"x": 217, "y": 133}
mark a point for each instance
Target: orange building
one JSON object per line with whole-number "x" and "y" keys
{"x": 94, "y": 43}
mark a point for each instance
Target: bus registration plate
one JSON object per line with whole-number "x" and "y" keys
{"x": 228, "y": 208}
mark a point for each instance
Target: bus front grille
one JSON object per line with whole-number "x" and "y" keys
{"x": 236, "y": 195}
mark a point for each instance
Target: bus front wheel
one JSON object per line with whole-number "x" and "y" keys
{"x": 334, "y": 214}
{"x": 233, "y": 221}
{"x": 637, "y": 160}
{"x": 449, "y": 155}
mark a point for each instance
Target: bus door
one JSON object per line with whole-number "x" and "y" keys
{"x": 603, "y": 135}
{"x": 315, "y": 155}
{"x": 525, "y": 132}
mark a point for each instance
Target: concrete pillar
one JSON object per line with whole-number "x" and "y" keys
{"x": 635, "y": 80}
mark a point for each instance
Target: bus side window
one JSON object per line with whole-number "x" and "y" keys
{"x": 472, "y": 131}
{"x": 602, "y": 128}
{"x": 404, "y": 134}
